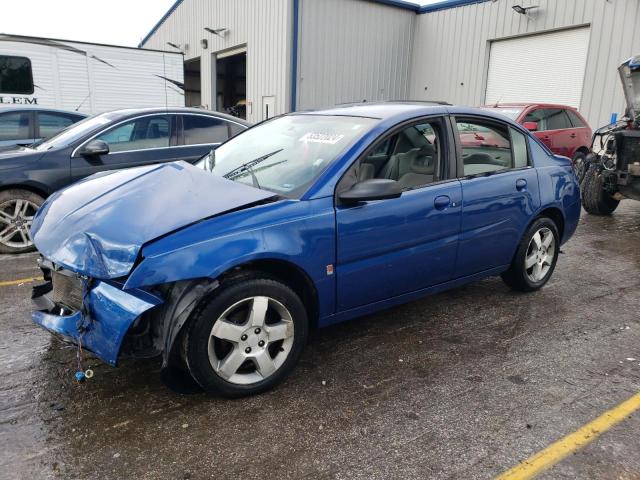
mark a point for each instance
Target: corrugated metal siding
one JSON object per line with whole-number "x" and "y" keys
{"x": 351, "y": 50}
{"x": 264, "y": 26}
{"x": 451, "y": 48}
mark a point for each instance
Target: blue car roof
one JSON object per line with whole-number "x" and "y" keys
{"x": 381, "y": 111}
{"x": 397, "y": 111}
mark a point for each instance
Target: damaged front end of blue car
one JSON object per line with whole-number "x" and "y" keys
{"x": 90, "y": 237}
{"x": 95, "y": 314}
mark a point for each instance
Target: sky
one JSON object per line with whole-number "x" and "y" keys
{"x": 117, "y": 22}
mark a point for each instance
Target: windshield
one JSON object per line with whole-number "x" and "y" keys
{"x": 510, "y": 112}
{"x": 287, "y": 154}
{"x": 74, "y": 132}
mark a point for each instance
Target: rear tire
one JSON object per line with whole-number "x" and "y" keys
{"x": 247, "y": 337}
{"x": 536, "y": 257}
{"x": 579, "y": 165}
{"x": 595, "y": 199}
{"x": 17, "y": 208}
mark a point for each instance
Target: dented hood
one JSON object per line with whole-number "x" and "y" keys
{"x": 97, "y": 226}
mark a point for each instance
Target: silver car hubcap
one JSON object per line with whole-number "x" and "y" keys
{"x": 16, "y": 217}
{"x": 251, "y": 340}
{"x": 540, "y": 254}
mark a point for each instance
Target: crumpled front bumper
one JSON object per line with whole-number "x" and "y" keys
{"x": 102, "y": 323}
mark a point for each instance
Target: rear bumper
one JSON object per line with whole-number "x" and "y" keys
{"x": 102, "y": 323}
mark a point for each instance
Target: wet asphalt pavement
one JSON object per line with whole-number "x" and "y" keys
{"x": 461, "y": 385}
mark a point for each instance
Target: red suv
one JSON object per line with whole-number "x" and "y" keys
{"x": 559, "y": 127}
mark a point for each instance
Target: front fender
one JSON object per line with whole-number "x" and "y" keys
{"x": 299, "y": 232}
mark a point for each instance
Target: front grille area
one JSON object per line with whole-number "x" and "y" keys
{"x": 67, "y": 290}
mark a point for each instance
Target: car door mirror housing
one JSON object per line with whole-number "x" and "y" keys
{"x": 372, "y": 189}
{"x": 531, "y": 126}
{"x": 94, "y": 147}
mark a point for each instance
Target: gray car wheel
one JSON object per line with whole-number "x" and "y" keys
{"x": 246, "y": 337}
{"x": 17, "y": 209}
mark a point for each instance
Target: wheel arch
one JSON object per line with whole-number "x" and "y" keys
{"x": 185, "y": 297}
{"x": 555, "y": 214}
{"x": 30, "y": 187}
{"x": 286, "y": 272}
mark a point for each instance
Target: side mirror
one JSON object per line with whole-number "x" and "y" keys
{"x": 531, "y": 126}
{"x": 373, "y": 189}
{"x": 94, "y": 147}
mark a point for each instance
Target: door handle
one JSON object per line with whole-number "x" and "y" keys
{"x": 521, "y": 184}
{"x": 441, "y": 202}
{"x": 573, "y": 135}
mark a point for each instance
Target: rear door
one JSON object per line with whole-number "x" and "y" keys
{"x": 390, "y": 247}
{"x": 137, "y": 141}
{"x": 499, "y": 189}
{"x": 581, "y": 131}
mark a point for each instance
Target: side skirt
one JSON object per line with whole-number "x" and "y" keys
{"x": 407, "y": 297}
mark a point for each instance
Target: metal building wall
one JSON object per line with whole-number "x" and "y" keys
{"x": 264, "y": 26}
{"x": 351, "y": 50}
{"x": 451, "y": 48}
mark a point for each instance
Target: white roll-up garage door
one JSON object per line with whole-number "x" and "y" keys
{"x": 547, "y": 68}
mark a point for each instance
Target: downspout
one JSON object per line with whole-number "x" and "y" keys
{"x": 294, "y": 56}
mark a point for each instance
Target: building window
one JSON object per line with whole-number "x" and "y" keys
{"x": 15, "y": 75}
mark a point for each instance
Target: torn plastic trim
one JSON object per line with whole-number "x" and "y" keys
{"x": 183, "y": 298}
{"x": 102, "y": 323}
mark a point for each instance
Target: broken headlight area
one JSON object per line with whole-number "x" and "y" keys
{"x": 95, "y": 313}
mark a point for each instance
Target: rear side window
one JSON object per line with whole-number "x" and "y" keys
{"x": 236, "y": 129}
{"x": 576, "y": 121}
{"x": 549, "y": 119}
{"x": 52, "y": 123}
{"x": 485, "y": 147}
{"x": 15, "y": 75}
{"x": 14, "y": 126}
{"x": 199, "y": 129}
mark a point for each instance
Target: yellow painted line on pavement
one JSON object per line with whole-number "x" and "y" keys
{"x": 555, "y": 452}
{"x": 8, "y": 283}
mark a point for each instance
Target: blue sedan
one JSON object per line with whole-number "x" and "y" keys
{"x": 303, "y": 221}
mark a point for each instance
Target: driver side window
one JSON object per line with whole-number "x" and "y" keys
{"x": 412, "y": 157}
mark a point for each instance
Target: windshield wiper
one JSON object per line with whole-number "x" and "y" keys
{"x": 248, "y": 167}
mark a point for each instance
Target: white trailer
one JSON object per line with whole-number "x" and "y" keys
{"x": 87, "y": 77}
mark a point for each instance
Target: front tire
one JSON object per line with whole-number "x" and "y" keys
{"x": 536, "y": 257}
{"x": 595, "y": 199}
{"x": 17, "y": 208}
{"x": 247, "y": 337}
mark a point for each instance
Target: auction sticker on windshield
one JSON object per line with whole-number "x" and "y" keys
{"x": 321, "y": 138}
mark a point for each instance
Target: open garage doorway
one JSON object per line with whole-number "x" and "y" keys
{"x": 231, "y": 82}
{"x": 192, "y": 88}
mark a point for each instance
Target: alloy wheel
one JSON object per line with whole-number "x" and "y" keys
{"x": 16, "y": 217}
{"x": 251, "y": 340}
{"x": 540, "y": 254}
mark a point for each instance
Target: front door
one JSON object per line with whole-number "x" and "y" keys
{"x": 389, "y": 247}
{"x": 139, "y": 141}
{"x": 499, "y": 190}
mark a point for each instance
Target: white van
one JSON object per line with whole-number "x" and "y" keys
{"x": 87, "y": 77}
